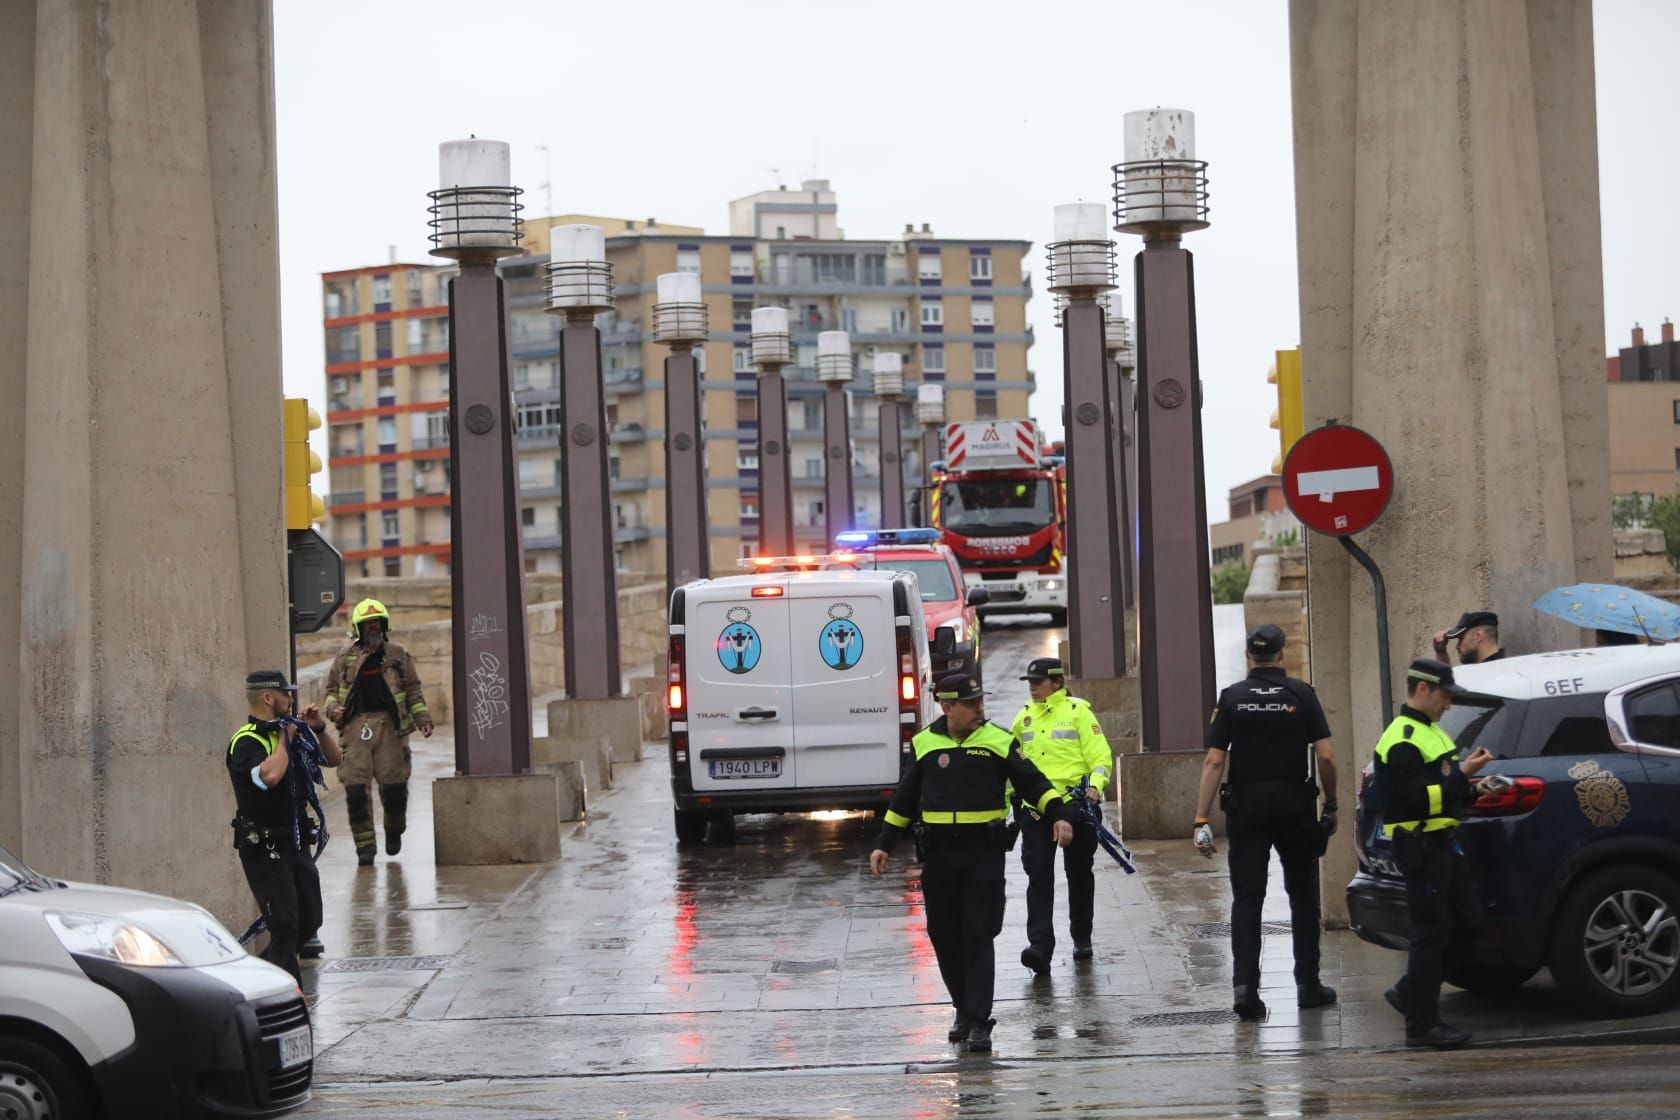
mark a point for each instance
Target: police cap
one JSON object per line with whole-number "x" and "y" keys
{"x": 1434, "y": 672}
{"x": 268, "y": 678}
{"x": 958, "y": 686}
{"x": 1265, "y": 641}
{"x": 1471, "y": 619}
{"x": 1043, "y": 669}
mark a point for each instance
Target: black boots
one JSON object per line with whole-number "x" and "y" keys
{"x": 394, "y": 800}
{"x": 361, "y": 822}
{"x": 1246, "y": 1002}
{"x": 1314, "y": 994}
{"x": 1037, "y": 960}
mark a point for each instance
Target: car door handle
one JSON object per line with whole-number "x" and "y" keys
{"x": 756, "y": 713}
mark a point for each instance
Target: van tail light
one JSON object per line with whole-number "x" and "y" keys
{"x": 1510, "y": 798}
{"x": 909, "y": 692}
{"x": 676, "y": 676}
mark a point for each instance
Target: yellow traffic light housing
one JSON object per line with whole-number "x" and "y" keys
{"x": 303, "y": 507}
{"x": 1287, "y": 418}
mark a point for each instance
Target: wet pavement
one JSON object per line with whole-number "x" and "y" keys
{"x": 774, "y": 976}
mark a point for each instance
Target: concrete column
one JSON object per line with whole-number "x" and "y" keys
{"x": 688, "y": 550}
{"x": 1126, "y": 385}
{"x": 837, "y": 464}
{"x": 17, "y": 129}
{"x": 1096, "y": 600}
{"x": 892, "y": 465}
{"x": 149, "y": 490}
{"x": 1451, "y": 305}
{"x": 775, "y": 478}
{"x": 587, "y": 561}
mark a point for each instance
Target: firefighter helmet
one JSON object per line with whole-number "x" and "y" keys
{"x": 366, "y": 609}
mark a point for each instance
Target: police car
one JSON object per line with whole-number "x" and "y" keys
{"x": 793, "y": 688}
{"x": 1577, "y": 853}
{"x": 953, "y": 616}
{"x": 118, "y": 1003}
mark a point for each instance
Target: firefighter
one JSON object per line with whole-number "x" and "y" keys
{"x": 956, "y": 789}
{"x": 374, "y": 696}
{"x": 1061, "y": 736}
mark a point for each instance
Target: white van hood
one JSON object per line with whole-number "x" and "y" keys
{"x": 189, "y": 930}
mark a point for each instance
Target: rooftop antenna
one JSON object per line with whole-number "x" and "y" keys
{"x": 776, "y": 174}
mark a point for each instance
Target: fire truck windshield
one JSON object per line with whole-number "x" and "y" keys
{"x": 988, "y": 507}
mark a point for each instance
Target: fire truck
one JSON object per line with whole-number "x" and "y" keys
{"x": 1000, "y": 504}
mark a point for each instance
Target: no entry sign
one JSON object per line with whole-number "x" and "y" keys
{"x": 1337, "y": 480}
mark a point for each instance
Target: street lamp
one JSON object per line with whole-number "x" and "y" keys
{"x": 679, "y": 321}
{"x": 579, "y": 288}
{"x": 475, "y": 221}
{"x": 1081, "y": 271}
{"x": 889, "y": 388}
{"x": 1160, "y": 193}
{"x": 772, "y": 350}
{"x": 834, "y": 370}
{"x": 930, "y": 414}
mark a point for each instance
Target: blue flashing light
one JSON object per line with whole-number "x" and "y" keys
{"x": 876, "y": 538}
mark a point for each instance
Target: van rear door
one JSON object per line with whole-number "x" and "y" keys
{"x": 844, "y": 654}
{"x": 740, "y": 721}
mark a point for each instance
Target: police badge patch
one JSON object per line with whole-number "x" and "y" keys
{"x": 944, "y": 760}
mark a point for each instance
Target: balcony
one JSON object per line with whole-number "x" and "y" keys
{"x": 540, "y": 435}
{"x": 431, "y": 442}
{"x": 629, "y": 433}
{"x": 346, "y": 498}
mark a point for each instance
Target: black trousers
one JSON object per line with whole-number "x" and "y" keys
{"x": 1038, "y": 858}
{"x": 1250, "y": 839}
{"x": 288, "y": 890}
{"x": 1445, "y": 911}
{"x": 962, "y": 888}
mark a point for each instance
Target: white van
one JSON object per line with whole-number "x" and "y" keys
{"x": 119, "y": 1003}
{"x": 793, "y": 691}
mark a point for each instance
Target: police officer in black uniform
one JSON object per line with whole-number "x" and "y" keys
{"x": 1274, "y": 732}
{"x": 271, "y": 831}
{"x": 955, "y": 789}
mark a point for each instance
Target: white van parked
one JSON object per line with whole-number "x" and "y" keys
{"x": 119, "y": 1003}
{"x": 793, "y": 691}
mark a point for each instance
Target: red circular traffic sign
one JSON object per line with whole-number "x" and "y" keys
{"x": 1337, "y": 480}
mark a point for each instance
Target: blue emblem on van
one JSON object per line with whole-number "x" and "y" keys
{"x": 738, "y": 647}
{"x": 841, "y": 642}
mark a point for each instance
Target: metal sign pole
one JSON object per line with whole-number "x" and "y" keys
{"x": 1379, "y": 591}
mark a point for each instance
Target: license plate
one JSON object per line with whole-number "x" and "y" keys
{"x": 1003, "y": 588}
{"x": 296, "y": 1047}
{"x": 746, "y": 767}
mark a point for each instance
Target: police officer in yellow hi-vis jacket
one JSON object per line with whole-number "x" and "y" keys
{"x": 955, "y": 788}
{"x": 374, "y": 696}
{"x": 1425, "y": 793}
{"x": 1061, "y": 736}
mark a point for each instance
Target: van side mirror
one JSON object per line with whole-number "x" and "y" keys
{"x": 944, "y": 639}
{"x": 979, "y": 596}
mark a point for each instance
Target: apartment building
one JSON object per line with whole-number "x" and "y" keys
{"x": 953, "y": 309}
{"x": 1644, "y": 408}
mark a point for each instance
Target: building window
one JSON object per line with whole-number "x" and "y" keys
{"x": 688, "y": 260}
{"x": 1677, "y": 412}
{"x": 382, "y": 292}
{"x": 746, "y": 457}
{"x": 810, "y": 416}
{"x": 740, "y": 314}
{"x": 900, "y": 320}
{"x": 933, "y": 359}
{"x": 393, "y": 566}
{"x": 387, "y": 431}
{"x": 873, "y": 269}
{"x": 743, "y": 359}
{"x": 1677, "y": 458}
{"x": 749, "y": 506}
{"x": 527, "y": 516}
{"x": 985, "y": 360}
{"x": 388, "y": 525}
{"x": 344, "y": 344}
{"x": 979, "y": 267}
{"x": 746, "y": 411}
{"x": 813, "y": 467}
{"x": 539, "y": 416}
{"x": 980, "y": 313}
{"x": 413, "y": 276}
{"x": 985, "y": 406}
{"x": 387, "y": 481}
{"x": 1226, "y": 554}
{"x": 927, "y": 267}
{"x": 933, "y": 314}
{"x": 740, "y": 264}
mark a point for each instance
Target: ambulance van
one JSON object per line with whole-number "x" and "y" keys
{"x": 793, "y": 690}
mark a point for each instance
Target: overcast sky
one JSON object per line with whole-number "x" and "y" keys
{"x": 974, "y": 116}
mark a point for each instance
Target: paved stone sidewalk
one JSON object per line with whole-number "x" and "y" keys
{"x": 781, "y": 952}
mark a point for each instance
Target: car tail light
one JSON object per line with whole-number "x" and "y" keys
{"x": 1510, "y": 798}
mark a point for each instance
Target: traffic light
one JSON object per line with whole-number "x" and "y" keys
{"x": 1286, "y": 420}
{"x": 303, "y": 508}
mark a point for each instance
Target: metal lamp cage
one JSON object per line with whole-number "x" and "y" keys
{"x": 1081, "y": 268}
{"x": 772, "y": 349}
{"x": 834, "y": 368}
{"x": 679, "y": 322}
{"x": 1160, "y": 197}
{"x": 889, "y": 383}
{"x": 476, "y": 221}
{"x": 580, "y": 288}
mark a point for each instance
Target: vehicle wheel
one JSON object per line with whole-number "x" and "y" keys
{"x": 1616, "y": 942}
{"x": 690, "y": 825}
{"x": 1496, "y": 979}
{"x": 36, "y": 1084}
{"x": 1058, "y": 618}
{"x": 723, "y": 827}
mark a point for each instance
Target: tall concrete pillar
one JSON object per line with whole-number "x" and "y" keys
{"x": 1451, "y": 305}
{"x": 151, "y": 541}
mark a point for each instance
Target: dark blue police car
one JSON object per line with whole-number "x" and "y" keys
{"x": 1577, "y": 857}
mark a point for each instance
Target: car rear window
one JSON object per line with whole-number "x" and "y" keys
{"x": 1477, "y": 721}
{"x": 1558, "y": 726}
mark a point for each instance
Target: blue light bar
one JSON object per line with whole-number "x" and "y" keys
{"x": 875, "y": 538}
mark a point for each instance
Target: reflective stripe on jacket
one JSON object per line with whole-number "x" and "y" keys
{"x": 399, "y": 672}
{"x": 953, "y": 783}
{"x": 1422, "y": 788}
{"x": 1062, "y": 738}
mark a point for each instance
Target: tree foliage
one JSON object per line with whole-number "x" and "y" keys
{"x": 1230, "y": 580}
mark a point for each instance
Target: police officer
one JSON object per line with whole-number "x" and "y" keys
{"x": 1425, "y": 793}
{"x": 1477, "y": 639}
{"x": 956, "y": 789}
{"x": 270, "y": 827}
{"x": 374, "y": 696}
{"x": 1272, "y": 729}
{"x": 1061, "y": 736}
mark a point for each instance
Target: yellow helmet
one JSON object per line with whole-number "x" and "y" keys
{"x": 366, "y": 609}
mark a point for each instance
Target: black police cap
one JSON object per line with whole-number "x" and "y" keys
{"x": 1044, "y": 668}
{"x": 1434, "y": 672}
{"x": 1469, "y": 620}
{"x": 958, "y": 686}
{"x": 268, "y": 678}
{"x": 1266, "y": 640}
